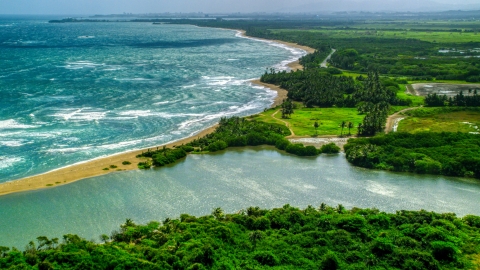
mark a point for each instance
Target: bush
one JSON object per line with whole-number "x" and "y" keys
{"x": 444, "y": 251}
{"x": 217, "y": 146}
{"x": 188, "y": 148}
{"x": 282, "y": 144}
{"x": 168, "y": 156}
{"x": 126, "y": 163}
{"x": 266, "y": 258}
{"x": 330, "y": 148}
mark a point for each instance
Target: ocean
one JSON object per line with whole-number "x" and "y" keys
{"x": 74, "y": 92}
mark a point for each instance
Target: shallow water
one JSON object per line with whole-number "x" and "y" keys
{"x": 74, "y": 92}
{"x": 234, "y": 180}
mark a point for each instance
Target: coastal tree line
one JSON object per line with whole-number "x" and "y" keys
{"x": 322, "y": 237}
{"x": 445, "y": 153}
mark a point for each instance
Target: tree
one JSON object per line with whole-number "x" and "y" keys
{"x": 255, "y": 237}
{"x": 342, "y": 126}
{"x": 218, "y": 213}
{"x": 315, "y": 125}
{"x": 360, "y": 128}
{"x": 287, "y": 108}
{"x": 350, "y": 126}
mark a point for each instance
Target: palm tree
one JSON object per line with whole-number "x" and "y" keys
{"x": 218, "y": 213}
{"x": 342, "y": 126}
{"x": 350, "y": 126}
{"x": 255, "y": 237}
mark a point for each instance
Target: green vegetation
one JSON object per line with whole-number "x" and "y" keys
{"x": 445, "y": 119}
{"x": 105, "y": 169}
{"x": 113, "y": 166}
{"x": 282, "y": 238}
{"x": 452, "y": 154}
{"x": 238, "y": 131}
{"x": 232, "y": 132}
{"x": 126, "y": 163}
{"x": 303, "y": 119}
{"x": 371, "y": 95}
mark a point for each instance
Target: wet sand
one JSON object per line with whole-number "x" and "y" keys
{"x": 98, "y": 166}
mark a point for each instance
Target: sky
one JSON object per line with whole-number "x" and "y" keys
{"x": 224, "y": 6}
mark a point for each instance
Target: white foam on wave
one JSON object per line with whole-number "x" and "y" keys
{"x": 82, "y": 64}
{"x": 82, "y": 114}
{"x": 12, "y": 143}
{"x": 68, "y": 150}
{"x": 189, "y": 86}
{"x": 147, "y": 113}
{"x": 223, "y": 81}
{"x": 12, "y": 124}
{"x": 6, "y": 162}
{"x": 207, "y": 118}
{"x": 161, "y": 102}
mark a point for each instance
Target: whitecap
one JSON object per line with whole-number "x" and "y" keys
{"x": 12, "y": 124}
{"x": 208, "y": 118}
{"x": 146, "y": 113}
{"x": 83, "y": 114}
{"x": 6, "y": 162}
{"x": 15, "y": 143}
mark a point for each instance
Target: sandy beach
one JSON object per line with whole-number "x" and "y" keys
{"x": 295, "y": 65}
{"x": 98, "y": 166}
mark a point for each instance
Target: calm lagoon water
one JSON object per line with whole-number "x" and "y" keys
{"x": 234, "y": 180}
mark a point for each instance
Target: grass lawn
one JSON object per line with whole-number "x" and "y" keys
{"x": 441, "y": 119}
{"x": 302, "y": 120}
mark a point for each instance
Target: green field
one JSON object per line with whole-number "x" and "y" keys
{"x": 430, "y": 36}
{"x": 441, "y": 119}
{"x": 303, "y": 119}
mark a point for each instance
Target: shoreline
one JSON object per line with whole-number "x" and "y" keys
{"x": 95, "y": 167}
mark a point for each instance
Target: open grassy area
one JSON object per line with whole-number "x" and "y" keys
{"x": 302, "y": 120}
{"x": 441, "y": 119}
{"x": 430, "y": 36}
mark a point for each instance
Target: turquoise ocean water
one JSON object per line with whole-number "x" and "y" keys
{"x": 74, "y": 92}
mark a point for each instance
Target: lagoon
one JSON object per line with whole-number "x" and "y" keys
{"x": 233, "y": 180}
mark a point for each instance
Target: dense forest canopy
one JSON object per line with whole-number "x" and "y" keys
{"x": 446, "y": 153}
{"x": 282, "y": 238}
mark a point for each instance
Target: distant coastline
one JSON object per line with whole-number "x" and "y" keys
{"x": 96, "y": 167}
